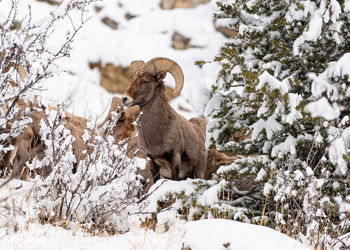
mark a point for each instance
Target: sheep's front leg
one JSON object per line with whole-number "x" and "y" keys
{"x": 154, "y": 169}
{"x": 20, "y": 170}
{"x": 10, "y": 159}
{"x": 176, "y": 164}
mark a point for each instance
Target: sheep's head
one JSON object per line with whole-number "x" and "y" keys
{"x": 146, "y": 77}
{"x": 124, "y": 128}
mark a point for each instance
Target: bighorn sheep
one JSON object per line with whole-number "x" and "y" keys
{"x": 167, "y": 138}
{"x": 215, "y": 159}
{"x": 76, "y": 124}
{"x": 19, "y": 155}
{"x": 22, "y": 143}
{"x": 29, "y": 143}
{"x": 124, "y": 128}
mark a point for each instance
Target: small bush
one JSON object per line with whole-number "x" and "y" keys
{"x": 96, "y": 190}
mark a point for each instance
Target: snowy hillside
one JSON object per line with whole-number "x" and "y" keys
{"x": 143, "y": 37}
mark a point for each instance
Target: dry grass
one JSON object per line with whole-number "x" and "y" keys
{"x": 158, "y": 239}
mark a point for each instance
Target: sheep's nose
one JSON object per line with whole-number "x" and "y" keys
{"x": 124, "y": 99}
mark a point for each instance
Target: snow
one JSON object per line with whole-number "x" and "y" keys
{"x": 338, "y": 149}
{"x": 322, "y": 83}
{"x": 319, "y": 17}
{"x": 210, "y": 196}
{"x": 322, "y": 108}
{"x": 163, "y": 187}
{"x": 296, "y": 13}
{"x": 209, "y": 75}
{"x": 198, "y": 235}
{"x": 288, "y": 146}
{"x": 261, "y": 175}
{"x": 347, "y": 5}
{"x": 339, "y": 68}
{"x": 40, "y": 237}
{"x": 335, "y": 9}
{"x": 271, "y": 125}
{"x": 235, "y": 235}
{"x": 313, "y": 32}
{"x": 272, "y": 82}
{"x": 267, "y": 188}
{"x": 294, "y": 114}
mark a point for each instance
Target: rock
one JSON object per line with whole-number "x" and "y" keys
{"x": 227, "y": 32}
{"x": 227, "y": 245}
{"x": 110, "y": 23}
{"x": 115, "y": 79}
{"x": 180, "y": 42}
{"x": 224, "y": 29}
{"x": 51, "y": 2}
{"x": 172, "y": 4}
{"x": 98, "y": 8}
{"x": 129, "y": 16}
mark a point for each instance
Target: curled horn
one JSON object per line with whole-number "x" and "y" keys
{"x": 135, "y": 66}
{"x": 162, "y": 65}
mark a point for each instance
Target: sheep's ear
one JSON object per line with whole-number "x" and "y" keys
{"x": 160, "y": 76}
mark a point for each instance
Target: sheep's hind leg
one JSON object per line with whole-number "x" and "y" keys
{"x": 201, "y": 168}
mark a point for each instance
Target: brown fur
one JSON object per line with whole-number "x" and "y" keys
{"x": 166, "y": 137}
{"x": 30, "y": 137}
{"x": 215, "y": 159}
{"x": 29, "y": 143}
{"x": 124, "y": 128}
{"x": 23, "y": 143}
{"x": 17, "y": 158}
{"x": 32, "y": 145}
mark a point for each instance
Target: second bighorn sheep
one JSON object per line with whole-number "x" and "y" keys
{"x": 175, "y": 146}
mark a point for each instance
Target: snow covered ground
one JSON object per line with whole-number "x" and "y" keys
{"x": 198, "y": 235}
{"x": 208, "y": 234}
{"x": 146, "y": 36}
{"x": 39, "y": 237}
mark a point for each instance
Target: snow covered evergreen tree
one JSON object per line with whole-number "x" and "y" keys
{"x": 284, "y": 84}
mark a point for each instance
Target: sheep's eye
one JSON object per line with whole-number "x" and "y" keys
{"x": 144, "y": 82}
